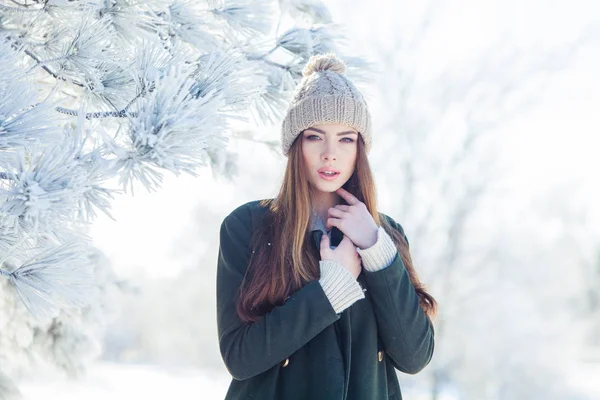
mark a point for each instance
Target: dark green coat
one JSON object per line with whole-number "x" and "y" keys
{"x": 303, "y": 350}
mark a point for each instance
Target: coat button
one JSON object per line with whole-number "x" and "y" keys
{"x": 285, "y": 363}
{"x": 380, "y": 355}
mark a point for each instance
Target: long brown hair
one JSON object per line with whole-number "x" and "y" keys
{"x": 282, "y": 261}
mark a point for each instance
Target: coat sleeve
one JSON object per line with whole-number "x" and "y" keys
{"x": 250, "y": 349}
{"x": 406, "y": 332}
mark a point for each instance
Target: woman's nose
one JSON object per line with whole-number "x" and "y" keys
{"x": 329, "y": 152}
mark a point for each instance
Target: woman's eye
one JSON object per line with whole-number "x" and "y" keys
{"x": 315, "y": 137}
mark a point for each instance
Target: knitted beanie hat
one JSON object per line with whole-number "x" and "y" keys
{"x": 325, "y": 95}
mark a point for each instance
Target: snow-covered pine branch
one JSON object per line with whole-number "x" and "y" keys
{"x": 101, "y": 91}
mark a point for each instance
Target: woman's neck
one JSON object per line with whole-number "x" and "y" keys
{"x": 322, "y": 201}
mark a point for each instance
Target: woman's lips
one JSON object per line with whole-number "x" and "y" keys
{"x": 330, "y": 177}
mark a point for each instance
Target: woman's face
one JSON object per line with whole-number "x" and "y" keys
{"x": 329, "y": 147}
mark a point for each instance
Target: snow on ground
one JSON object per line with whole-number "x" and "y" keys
{"x": 125, "y": 382}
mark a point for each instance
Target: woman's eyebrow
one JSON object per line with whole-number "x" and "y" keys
{"x": 339, "y": 134}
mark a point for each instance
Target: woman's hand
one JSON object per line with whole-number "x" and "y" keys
{"x": 344, "y": 254}
{"x": 354, "y": 220}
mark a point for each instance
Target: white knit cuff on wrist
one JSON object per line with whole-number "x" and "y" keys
{"x": 339, "y": 285}
{"x": 381, "y": 254}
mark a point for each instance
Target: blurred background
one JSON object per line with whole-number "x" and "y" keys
{"x": 485, "y": 148}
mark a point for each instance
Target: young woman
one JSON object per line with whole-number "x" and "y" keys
{"x": 317, "y": 297}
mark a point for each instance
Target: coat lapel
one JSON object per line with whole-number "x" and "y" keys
{"x": 316, "y": 237}
{"x": 345, "y": 334}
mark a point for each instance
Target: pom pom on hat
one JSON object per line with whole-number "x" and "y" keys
{"x": 324, "y": 62}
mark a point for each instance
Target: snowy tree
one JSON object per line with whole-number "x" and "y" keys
{"x": 94, "y": 92}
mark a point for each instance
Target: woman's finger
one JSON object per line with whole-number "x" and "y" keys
{"x": 334, "y": 212}
{"x": 335, "y": 222}
{"x": 343, "y": 207}
{"x": 324, "y": 242}
{"x": 349, "y": 197}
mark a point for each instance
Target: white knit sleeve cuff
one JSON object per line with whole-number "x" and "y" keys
{"x": 340, "y": 287}
{"x": 381, "y": 254}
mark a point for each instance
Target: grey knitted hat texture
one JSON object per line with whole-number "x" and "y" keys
{"x": 325, "y": 95}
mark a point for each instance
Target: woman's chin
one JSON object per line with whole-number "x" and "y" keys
{"x": 329, "y": 187}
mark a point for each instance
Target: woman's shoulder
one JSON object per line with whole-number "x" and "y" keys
{"x": 250, "y": 210}
{"x": 389, "y": 219}
{"x": 397, "y": 226}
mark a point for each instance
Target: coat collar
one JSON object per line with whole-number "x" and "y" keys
{"x": 317, "y": 229}
{"x": 316, "y": 222}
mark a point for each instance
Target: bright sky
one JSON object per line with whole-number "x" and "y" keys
{"x": 555, "y": 141}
